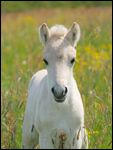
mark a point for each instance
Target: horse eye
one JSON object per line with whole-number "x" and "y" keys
{"x": 73, "y": 60}
{"x": 45, "y": 61}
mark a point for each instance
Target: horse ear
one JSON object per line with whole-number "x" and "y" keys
{"x": 44, "y": 33}
{"x": 73, "y": 35}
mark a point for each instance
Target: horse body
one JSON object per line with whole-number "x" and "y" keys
{"x": 58, "y": 123}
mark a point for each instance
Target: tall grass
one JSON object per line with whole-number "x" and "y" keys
{"x": 22, "y": 56}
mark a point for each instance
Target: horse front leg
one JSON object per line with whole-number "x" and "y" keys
{"x": 45, "y": 142}
{"x": 84, "y": 139}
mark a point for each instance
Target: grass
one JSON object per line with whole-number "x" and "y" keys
{"x": 22, "y": 56}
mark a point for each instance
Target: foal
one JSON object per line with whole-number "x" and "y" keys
{"x": 54, "y": 115}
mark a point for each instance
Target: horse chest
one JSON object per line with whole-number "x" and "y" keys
{"x": 59, "y": 118}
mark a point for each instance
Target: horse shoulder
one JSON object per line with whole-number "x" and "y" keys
{"x": 36, "y": 78}
{"x": 33, "y": 94}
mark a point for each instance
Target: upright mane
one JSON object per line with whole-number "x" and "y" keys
{"x": 58, "y": 31}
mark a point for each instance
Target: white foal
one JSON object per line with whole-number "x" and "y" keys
{"x": 54, "y": 116}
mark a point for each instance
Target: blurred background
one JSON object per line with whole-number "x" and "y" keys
{"x": 22, "y": 56}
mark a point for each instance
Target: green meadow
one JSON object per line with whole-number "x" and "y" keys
{"x": 22, "y": 55}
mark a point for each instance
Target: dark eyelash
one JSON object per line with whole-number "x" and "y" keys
{"x": 45, "y": 61}
{"x": 73, "y": 60}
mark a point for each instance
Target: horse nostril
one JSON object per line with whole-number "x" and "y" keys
{"x": 65, "y": 90}
{"x": 52, "y": 90}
